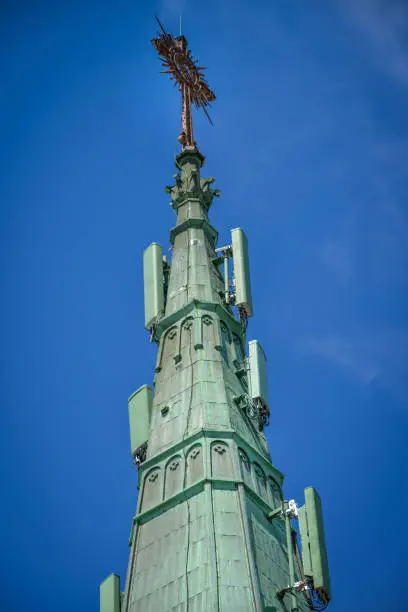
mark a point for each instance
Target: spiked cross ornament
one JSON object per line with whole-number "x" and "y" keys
{"x": 183, "y": 69}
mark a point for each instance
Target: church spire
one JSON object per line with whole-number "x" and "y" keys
{"x": 212, "y": 530}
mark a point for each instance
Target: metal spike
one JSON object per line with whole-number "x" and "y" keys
{"x": 161, "y": 27}
{"x": 206, "y": 112}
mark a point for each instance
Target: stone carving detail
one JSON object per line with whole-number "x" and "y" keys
{"x": 172, "y": 333}
{"x": 167, "y": 348}
{"x": 190, "y": 184}
{"x": 221, "y": 461}
{"x": 225, "y": 341}
{"x": 210, "y": 333}
{"x": 188, "y": 324}
{"x": 174, "y": 476}
{"x": 238, "y": 343}
{"x": 208, "y": 194}
{"x": 260, "y": 482}
{"x": 152, "y": 489}
{"x": 244, "y": 458}
{"x": 245, "y": 467}
{"x": 224, "y": 330}
{"x": 193, "y": 182}
{"x": 185, "y": 337}
{"x": 206, "y": 182}
{"x": 195, "y": 465}
{"x": 275, "y": 493}
{"x": 239, "y": 352}
{"x": 258, "y": 471}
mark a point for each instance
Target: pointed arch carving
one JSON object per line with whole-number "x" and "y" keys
{"x": 174, "y": 478}
{"x": 207, "y": 329}
{"x": 225, "y": 342}
{"x": 168, "y": 347}
{"x": 197, "y": 333}
{"x": 225, "y": 331}
{"x": 221, "y": 460}
{"x": 245, "y": 466}
{"x": 194, "y": 464}
{"x": 275, "y": 493}
{"x": 260, "y": 482}
{"x": 185, "y": 336}
{"x": 152, "y": 488}
{"x": 239, "y": 354}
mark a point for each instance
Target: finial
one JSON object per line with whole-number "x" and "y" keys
{"x": 184, "y": 70}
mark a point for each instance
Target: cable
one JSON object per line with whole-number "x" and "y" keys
{"x": 187, "y": 553}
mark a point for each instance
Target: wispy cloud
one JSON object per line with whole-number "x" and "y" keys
{"x": 384, "y": 24}
{"x": 374, "y": 358}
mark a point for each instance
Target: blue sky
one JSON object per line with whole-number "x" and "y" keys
{"x": 310, "y": 150}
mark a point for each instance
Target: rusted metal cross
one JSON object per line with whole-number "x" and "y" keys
{"x": 184, "y": 71}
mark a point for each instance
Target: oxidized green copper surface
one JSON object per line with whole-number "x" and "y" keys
{"x": 201, "y": 540}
